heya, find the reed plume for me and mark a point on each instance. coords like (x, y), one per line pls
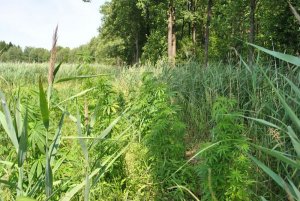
(52, 57)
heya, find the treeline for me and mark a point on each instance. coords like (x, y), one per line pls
(13, 53)
(135, 31)
(203, 30)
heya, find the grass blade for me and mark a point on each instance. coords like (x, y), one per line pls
(56, 69)
(279, 156)
(80, 140)
(295, 189)
(8, 163)
(79, 77)
(270, 172)
(108, 129)
(109, 161)
(295, 12)
(8, 123)
(197, 154)
(4, 124)
(23, 198)
(44, 106)
(294, 87)
(23, 142)
(186, 189)
(48, 178)
(262, 121)
(295, 140)
(284, 57)
(287, 108)
(8, 183)
(70, 194)
(77, 95)
(86, 157)
(20, 182)
(55, 144)
(18, 117)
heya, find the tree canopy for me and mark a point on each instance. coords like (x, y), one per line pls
(137, 30)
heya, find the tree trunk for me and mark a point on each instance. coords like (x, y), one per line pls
(193, 27)
(194, 33)
(171, 34)
(137, 49)
(147, 21)
(252, 30)
(209, 13)
(182, 28)
(174, 47)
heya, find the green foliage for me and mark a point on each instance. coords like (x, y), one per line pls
(155, 48)
(289, 183)
(144, 152)
(228, 163)
(159, 142)
(139, 28)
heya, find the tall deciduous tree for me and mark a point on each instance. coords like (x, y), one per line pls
(252, 29)
(209, 14)
(148, 29)
(171, 33)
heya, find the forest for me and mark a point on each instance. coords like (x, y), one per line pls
(173, 100)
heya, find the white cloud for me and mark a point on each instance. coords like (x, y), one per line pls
(31, 22)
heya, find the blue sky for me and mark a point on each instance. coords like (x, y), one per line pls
(32, 22)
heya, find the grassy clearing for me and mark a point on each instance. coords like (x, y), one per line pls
(152, 133)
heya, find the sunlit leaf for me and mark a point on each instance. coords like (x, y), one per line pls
(23, 142)
(44, 105)
(8, 123)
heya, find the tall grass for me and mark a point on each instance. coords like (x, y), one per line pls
(268, 97)
(147, 151)
(29, 73)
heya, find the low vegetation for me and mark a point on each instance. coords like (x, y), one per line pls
(151, 133)
(169, 131)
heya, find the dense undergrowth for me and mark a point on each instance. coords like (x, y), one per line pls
(227, 132)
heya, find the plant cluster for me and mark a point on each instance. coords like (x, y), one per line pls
(226, 168)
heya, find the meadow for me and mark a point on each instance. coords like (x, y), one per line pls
(151, 132)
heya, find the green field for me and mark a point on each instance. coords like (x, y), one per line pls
(169, 100)
(227, 132)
